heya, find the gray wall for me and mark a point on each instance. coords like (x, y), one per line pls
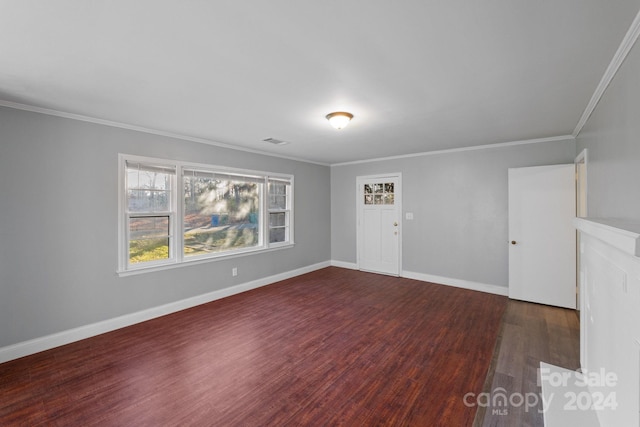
(58, 225)
(612, 137)
(459, 202)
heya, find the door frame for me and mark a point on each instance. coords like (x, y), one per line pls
(582, 158)
(398, 203)
(582, 209)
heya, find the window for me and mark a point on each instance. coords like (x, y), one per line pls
(221, 212)
(174, 212)
(149, 214)
(279, 210)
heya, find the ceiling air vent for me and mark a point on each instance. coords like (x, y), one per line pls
(275, 141)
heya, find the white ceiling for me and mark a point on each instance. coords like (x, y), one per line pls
(418, 75)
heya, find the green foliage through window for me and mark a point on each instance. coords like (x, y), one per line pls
(220, 214)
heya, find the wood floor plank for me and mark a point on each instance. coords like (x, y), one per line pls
(530, 333)
(332, 347)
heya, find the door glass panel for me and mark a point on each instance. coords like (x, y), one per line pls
(379, 194)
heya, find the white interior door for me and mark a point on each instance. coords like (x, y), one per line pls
(542, 247)
(379, 224)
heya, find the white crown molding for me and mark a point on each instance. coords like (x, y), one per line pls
(623, 50)
(82, 118)
(37, 345)
(462, 149)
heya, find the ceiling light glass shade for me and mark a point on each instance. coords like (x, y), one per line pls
(339, 119)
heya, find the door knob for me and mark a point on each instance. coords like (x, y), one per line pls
(395, 224)
(513, 242)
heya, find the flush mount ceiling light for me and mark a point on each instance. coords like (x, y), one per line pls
(339, 119)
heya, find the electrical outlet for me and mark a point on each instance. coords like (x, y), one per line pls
(234, 271)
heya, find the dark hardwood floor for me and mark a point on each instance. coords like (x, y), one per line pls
(333, 347)
(530, 333)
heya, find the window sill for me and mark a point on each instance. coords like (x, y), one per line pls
(186, 263)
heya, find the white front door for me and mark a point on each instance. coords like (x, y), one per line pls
(542, 246)
(379, 228)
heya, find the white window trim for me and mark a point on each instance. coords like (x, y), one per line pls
(177, 212)
(288, 210)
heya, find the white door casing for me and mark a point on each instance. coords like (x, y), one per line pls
(379, 228)
(542, 246)
(581, 212)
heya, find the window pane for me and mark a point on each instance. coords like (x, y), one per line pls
(278, 188)
(148, 227)
(220, 214)
(152, 178)
(278, 195)
(148, 239)
(368, 189)
(148, 250)
(148, 200)
(132, 178)
(277, 235)
(277, 219)
(388, 187)
(148, 188)
(278, 202)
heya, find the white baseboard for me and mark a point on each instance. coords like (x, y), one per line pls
(458, 283)
(36, 345)
(342, 264)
